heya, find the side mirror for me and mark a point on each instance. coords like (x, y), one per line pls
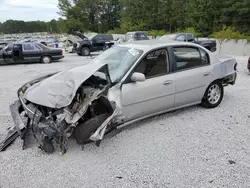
(138, 77)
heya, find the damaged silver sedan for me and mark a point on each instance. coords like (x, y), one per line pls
(125, 84)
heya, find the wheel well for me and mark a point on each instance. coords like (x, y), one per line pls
(98, 107)
(217, 80)
(85, 45)
(45, 56)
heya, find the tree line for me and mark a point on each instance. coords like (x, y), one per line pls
(16, 26)
(119, 16)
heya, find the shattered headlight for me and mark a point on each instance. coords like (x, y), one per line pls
(25, 87)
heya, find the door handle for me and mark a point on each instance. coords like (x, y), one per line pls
(167, 82)
(206, 73)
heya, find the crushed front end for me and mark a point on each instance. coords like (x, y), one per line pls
(54, 123)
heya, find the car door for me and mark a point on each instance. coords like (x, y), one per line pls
(153, 95)
(193, 73)
(17, 54)
(31, 52)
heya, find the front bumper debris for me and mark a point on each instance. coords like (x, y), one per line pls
(19, 129)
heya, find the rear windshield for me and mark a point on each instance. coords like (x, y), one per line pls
(108, 37)
(42, 46)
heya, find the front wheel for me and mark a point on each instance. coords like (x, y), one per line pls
(213, 95)
(84, 130)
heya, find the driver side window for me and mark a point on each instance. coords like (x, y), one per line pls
(154, 64)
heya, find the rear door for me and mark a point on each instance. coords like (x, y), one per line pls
(193, 73)
(31, 52)
(155, 94)
(17, 54)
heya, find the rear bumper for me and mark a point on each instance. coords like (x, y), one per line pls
(230, 79)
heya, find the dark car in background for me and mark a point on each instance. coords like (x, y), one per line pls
(136, 35)
(189, 37)
(94, 43)
(29, 53)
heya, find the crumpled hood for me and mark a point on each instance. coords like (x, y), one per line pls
(58, 90)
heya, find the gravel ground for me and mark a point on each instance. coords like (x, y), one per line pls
(192, 147)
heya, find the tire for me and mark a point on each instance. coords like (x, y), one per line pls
(85, 51)
(213, 95)
(47, 146)
(83, 131)
(106, 47)
(46, 59)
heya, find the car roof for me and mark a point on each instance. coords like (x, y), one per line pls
(147, 45)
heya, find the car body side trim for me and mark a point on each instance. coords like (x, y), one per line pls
(158, 113)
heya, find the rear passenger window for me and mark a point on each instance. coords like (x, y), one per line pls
(28, 47)
(188, 57)
(204, 57)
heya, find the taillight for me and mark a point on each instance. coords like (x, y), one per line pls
(248, 65)
(235, 66)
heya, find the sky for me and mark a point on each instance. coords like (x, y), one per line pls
(28, 10)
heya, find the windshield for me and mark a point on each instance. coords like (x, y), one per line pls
(128, 37)
(119, 60)
(167, 37)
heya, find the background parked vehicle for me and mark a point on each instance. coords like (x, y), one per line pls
(97, 42)
(29, 53)
(189, 37)
(136, 35)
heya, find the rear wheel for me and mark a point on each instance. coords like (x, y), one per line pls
(46, 59)
(83, 131)
(85, 51)
(213, 95)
